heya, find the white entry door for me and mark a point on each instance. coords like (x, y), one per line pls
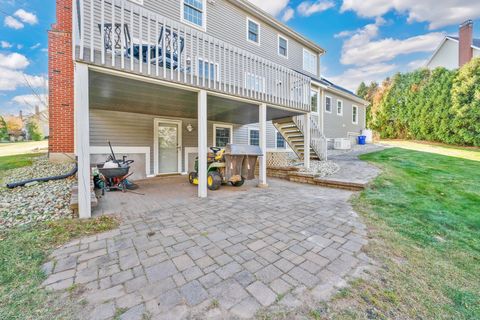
(167, 146)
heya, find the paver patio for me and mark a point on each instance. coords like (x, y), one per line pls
(221, 257)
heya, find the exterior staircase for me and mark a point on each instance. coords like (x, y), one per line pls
(292, 129)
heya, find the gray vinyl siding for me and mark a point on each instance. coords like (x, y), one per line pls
(336, 126)
(136, 130)
(227, 22)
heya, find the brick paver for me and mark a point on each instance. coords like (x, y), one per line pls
(263, 248)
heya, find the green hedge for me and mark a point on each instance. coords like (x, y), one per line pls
(438, 105)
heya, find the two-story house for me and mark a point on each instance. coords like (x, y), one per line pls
(163, 80)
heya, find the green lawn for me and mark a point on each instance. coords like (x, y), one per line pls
(22, 252)
(423, 215)
(17, 161)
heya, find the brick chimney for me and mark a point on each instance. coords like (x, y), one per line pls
(465, 35)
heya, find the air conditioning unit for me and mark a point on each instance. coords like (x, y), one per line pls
(342, 144)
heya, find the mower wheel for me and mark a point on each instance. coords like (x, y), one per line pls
(238, 183)
(214, 180)
(192, 176)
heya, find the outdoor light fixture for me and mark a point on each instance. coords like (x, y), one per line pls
(189, 127)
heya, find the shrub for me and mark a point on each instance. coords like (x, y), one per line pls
(33, 130)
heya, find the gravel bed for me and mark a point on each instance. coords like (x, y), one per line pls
(319, 169)
(36, 202)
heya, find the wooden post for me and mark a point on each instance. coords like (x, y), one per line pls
(262, 119)
(202, 144)
(82, 139)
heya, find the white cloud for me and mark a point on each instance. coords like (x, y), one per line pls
(35, 46)
(288, 14)
(307, 8)
(352, 77)
(5, 44)
(436, 13)
(10, 80)
(13, 23)
(274, 7)
(31, 100)
(25, 16)
(13, 61)
(361, 49)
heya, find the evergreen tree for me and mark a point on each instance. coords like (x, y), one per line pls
(3, 129)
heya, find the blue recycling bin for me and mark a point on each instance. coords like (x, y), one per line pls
(362, 140)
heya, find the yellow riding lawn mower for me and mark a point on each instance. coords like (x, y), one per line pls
(234, 165)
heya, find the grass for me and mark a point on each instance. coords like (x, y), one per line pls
(18, 161)
(423, 215)
(23, 251)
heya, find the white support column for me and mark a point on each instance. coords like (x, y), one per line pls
(202, 144)
(82, 139)
(306, 137)
(262, 120)
(321, 111)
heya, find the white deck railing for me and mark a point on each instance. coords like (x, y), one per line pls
(318, 142)
(121, 35)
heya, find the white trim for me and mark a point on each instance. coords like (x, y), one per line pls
(262, 121)
(355, 107)
(259, 31)
(156, 121)
(203, 27)
(126, 150)
(341, 102)
(187, 151)
(278, 46)
(221, 125)
(253, 129)
(202, 143)
(331, 104)
(139, 2)
(305, 50)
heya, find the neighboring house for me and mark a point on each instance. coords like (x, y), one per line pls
(454, 52)
(163, 80)
(41, 117)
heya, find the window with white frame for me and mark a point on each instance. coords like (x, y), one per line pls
(282, 46)
(280, 141)
(253, 31)
(354, 114)
(222, 135)
(208, 70)
(328, 104)
(254, 82)
(193, 12)
(314, 102)
(253, 137)
(309, 61)
(340, 107)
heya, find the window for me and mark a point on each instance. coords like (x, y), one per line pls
(282, 46)
(309, 61)
(253, 137)
(207, 70)
(340, 107)
(280, 141)
(253, 31)
(354, 114)
(328, 104)
(222, 135)
(314, 102)
(193, 12)
(254, 82)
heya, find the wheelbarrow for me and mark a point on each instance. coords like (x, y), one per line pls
(118, 176)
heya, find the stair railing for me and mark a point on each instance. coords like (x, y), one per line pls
(318, 141)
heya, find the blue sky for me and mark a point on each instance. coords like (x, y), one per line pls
(365, 39)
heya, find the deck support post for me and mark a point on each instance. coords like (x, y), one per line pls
(202, 144)
(262, 120)
(82, 139)
(306, 137)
